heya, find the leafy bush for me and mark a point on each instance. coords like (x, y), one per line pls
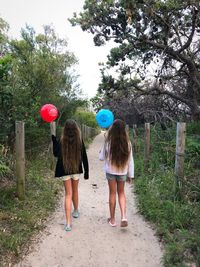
(4, 170)
(193, 128)
(193, 148)
(85, 117)
(6, 162)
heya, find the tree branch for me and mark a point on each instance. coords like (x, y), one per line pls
(157, 91)
(187, 44)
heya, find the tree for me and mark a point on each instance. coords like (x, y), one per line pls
(5, 69)
(163, 34)
(3, 36)
(40, 71)
(34, 70)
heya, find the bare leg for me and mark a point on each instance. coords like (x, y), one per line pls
(112, 199)
(121, 198)
(75, 193)
(68, 200)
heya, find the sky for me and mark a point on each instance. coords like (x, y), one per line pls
(36, 13)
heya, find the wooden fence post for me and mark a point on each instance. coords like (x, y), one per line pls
(20, 159)
(179, 161)
(147, 145)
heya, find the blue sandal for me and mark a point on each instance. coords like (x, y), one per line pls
(68, 228)
(76, 213)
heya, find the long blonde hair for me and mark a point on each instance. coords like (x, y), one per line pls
(119, 144)
(71, 146)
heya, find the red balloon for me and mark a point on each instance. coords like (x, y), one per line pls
(48, 112)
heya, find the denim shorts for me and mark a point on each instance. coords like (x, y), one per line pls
(116, 177)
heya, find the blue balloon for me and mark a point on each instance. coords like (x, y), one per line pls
(104, 118)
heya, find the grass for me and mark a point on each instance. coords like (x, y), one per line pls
(177, 220)
(20, 220)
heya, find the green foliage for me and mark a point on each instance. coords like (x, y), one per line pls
(6, 163)
(193, 143)
(4, 170)
(20, 220)
(193, 128)
(85, 117)
(193, 148)
(6, 97)
(177, 221)
(5, 66)
(3, 37)
(98, 101)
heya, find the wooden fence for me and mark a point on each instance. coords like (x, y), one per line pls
(179, 153)
(180, 146)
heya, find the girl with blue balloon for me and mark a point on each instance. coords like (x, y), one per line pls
(118, 166)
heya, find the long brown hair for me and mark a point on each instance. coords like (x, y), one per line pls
(71, 146)
(119, 144)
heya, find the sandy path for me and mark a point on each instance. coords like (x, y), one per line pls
(92, 242)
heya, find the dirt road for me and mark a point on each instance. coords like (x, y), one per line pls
(92, 241)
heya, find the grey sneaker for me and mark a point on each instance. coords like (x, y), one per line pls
(75, 213)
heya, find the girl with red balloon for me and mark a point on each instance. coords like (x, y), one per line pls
(71, 155)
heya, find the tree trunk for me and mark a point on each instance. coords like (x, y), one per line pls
(194, 92)
(20, 160)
